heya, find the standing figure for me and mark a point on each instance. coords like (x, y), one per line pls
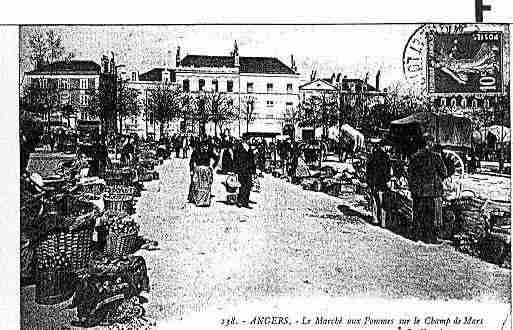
(185, 146)
(378, 175)
(127, 152)
(177, 144)
(100, 158)
(201, 167)
(426, 173)
(244, 161)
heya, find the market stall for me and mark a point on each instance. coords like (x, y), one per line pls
(61, 208)
(466, 216)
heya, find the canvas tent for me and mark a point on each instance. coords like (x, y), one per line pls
(447, 129)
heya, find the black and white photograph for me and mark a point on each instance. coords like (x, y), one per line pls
(169, 173)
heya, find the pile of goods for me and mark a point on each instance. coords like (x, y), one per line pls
(93, 187)
(119, 199)
(55, 282)
(108, 292)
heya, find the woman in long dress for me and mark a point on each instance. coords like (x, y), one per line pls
(201, 166)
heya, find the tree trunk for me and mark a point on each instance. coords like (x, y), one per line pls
(146, 123)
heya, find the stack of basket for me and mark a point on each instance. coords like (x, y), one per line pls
(119, 198)
(63, 249)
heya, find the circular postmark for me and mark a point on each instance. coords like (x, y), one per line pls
(415, 53)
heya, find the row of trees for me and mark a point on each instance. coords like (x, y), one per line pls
(168, 103)
(366, 112)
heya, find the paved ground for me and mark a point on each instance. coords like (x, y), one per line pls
(292, 243)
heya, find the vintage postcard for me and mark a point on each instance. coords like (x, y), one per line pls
(348, 176)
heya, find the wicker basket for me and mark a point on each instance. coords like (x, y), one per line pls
(119, 245)
(53, 287)
(74, 244)
(95, 188)
(119, 203)
(120, 190)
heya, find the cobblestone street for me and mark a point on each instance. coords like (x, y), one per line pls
(292, 243)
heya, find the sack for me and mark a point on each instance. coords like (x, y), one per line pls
(256, 184)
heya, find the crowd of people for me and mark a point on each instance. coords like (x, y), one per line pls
(427, 169)
(232, 156)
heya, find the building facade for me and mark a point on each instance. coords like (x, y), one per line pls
(71, 81)
(262, 88)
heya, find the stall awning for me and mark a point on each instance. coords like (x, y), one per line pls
(260, 134)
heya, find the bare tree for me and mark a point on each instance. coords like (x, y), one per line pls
(45, 47)
(55, 49)
(165, 103)
(293, 115)
(219, 108)
(248, 110)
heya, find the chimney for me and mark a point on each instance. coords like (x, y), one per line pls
(105, 64)
(178, 60)
(293, 63)
(377, 80)
(236, 55)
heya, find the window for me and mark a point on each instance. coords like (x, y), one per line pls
(173, 76)
(64, 83)
(83, 83)
(269, 116)
(91, 83)
(288, 107)
(269, 88)
(289, 88)
(134, 76)
(250, 87)
(270, 104)
(229, 86)
(215, 86)
(201, 85)
(83, 99)
(186, 85)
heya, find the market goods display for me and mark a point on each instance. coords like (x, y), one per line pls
(122, 237)
(123, 203)
(108, 284)
(55, 282)
(69, 233)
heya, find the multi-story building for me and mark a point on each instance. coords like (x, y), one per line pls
(71, 81)
(264, 85)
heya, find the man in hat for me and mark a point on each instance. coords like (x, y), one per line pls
(378, 175)
(426, 172)
(244, 161)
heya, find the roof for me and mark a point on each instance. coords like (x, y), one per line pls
(319, 84)
(68, 67)
(266, 65)
(153, 75)
(370, 88)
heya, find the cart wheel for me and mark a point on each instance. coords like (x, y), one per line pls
(459, 165)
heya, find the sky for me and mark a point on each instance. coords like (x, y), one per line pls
(352, 50)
